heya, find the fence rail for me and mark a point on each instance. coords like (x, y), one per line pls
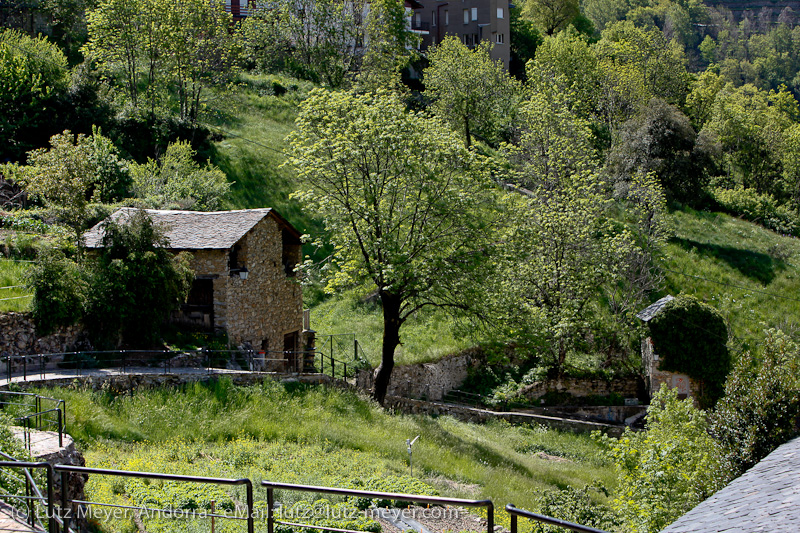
(411, 498)
(549, 520)
(29, 410)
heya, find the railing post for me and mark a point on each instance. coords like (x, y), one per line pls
(333, 365)
(513, 523)
(24, 368)
(490, 518)
(29, 500)
(250, 512)
(270, 515)
(60, 429)
(51, 517)
(66, 513)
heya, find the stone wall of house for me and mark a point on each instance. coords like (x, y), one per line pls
(654, 377)
(18, 337)
(425, 380)
(268, 304)
(214, 263)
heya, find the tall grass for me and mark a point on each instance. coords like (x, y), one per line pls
(497, 461)
(12, 274)
(749, 273)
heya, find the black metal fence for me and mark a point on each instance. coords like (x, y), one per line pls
(549, 520)
(410, 498)
(33, 506)
(33, 411)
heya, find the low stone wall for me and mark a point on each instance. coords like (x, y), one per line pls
(425, 380)
(627, 387)
(132, 382)
(474, 415)
(18, 336)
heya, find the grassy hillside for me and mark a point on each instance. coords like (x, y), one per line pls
(750, 274)
(323, 436)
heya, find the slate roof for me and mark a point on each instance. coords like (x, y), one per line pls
(765, 498)
(652, 310)
(193, 230)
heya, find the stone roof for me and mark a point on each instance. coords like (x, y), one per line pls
(765, 498)
(193, 230)
(652, 310)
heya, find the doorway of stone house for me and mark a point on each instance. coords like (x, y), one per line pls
(290, 351)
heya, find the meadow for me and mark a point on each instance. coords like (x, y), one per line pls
(12, 274)
(322, 436)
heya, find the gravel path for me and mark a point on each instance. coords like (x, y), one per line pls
(436, 519)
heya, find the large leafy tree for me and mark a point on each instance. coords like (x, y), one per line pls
(470, 91)
(551, 15)
(33, 74)
(400, 195)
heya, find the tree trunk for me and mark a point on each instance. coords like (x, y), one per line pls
(391, 338)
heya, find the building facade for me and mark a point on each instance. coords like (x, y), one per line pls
(471, 21)
(245, 282)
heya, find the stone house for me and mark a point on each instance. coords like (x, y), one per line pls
(245, 282)
(654, 377)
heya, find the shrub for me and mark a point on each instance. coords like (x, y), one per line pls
(396, 484)
(691, 338)
(59, 291)
(666, 470)
(326, 514)
(575, 505)
(760, 409)
(755, 207)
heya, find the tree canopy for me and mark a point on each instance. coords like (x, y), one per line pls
(401, 197)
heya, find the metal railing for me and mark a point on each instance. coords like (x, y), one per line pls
(549, 520)
(339, 351)
(27, 408)
(137, 361)
(33, 495)
(65, 470)
(271, 486)
(12, 287)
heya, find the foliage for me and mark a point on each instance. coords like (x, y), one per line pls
(470, 91)
(660, 139)
(158, 49)
(524, 38)
(400, 196)
(395, 484)
(33, 74)
(575, 505)
(12, 479)
(666, 470)
(59, 291)
(176, 180)
(761, 406)
(327, 514)
(759, 208)
(390, 46)
(135, 282)
(691, 337)
(551, 15)
(318, 40)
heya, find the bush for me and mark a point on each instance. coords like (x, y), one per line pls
(760, 208)
(396, 484)
(576, 506)
(59, 291)
(326, 514)
(760, 409)
(135, 282)
(691, 337)
(666, 470)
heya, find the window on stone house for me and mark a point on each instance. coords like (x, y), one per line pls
(291, 253)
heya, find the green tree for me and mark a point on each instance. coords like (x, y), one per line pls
(551, 15)
(691, 337)
(177, 180)
(524, 38)
(400, 195)
(134, 283)
(666, 470)
(390, 46)
(761, 406)
(470, 91)
(33, 74)
(59, 291)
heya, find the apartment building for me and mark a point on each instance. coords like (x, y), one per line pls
(472, 21)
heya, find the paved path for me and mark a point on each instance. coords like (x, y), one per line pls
(11, 521)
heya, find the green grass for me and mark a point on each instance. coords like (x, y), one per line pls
(324, 436)
(12, 273)
(743, 261)
(427, 336)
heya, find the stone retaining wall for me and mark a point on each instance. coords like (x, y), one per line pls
(425, 380)
(18, 336)
(474, 415)
(627, 387)
(132, 382)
